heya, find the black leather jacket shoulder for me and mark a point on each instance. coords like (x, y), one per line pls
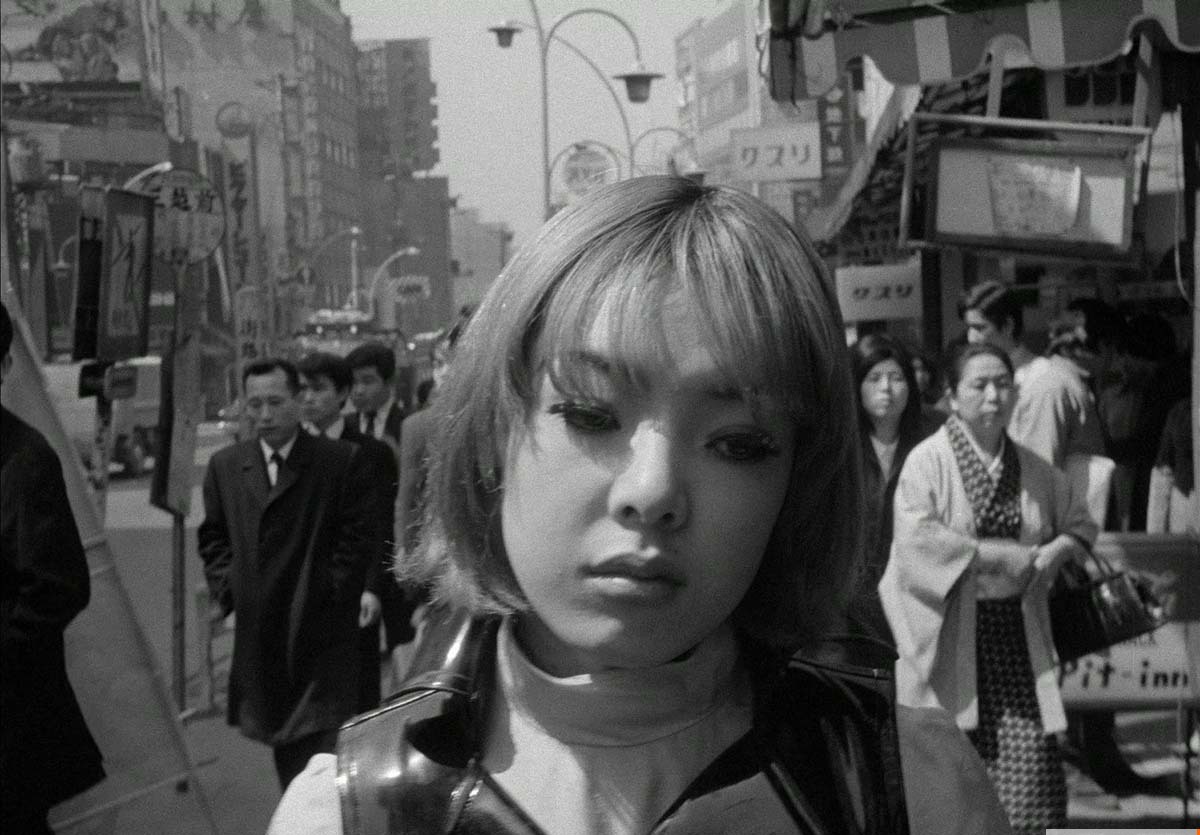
(823, 750)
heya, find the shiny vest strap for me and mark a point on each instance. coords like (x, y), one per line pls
(822, 758)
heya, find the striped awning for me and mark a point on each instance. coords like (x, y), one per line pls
(932, 43)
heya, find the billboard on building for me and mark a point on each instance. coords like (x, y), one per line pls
(101, 41)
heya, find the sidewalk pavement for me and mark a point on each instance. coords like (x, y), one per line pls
(1152, 743)
(238, 776)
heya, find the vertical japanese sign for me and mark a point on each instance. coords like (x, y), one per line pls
(778, 152)
(239, 201)
(123, 321)
(841, 133)
(248, 317)
(886, 291)
(89, 258)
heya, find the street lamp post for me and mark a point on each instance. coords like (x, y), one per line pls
(352, 299)
(381, 271)
(637, 80)
(310, 259)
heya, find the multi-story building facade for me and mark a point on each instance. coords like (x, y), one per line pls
(727, 109)
(290, 65)
(405, 214)
(478, 252)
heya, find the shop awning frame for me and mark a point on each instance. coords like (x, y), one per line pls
(935, 43)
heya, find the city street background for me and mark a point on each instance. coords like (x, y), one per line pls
(238, 776)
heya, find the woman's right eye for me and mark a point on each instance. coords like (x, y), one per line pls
(586, 417)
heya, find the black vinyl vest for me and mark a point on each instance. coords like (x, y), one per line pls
(821, 758)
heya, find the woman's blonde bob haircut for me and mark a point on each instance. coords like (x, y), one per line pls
(770, 314)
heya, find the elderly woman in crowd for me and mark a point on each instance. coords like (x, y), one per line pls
(982, 526)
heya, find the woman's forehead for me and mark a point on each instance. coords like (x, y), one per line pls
(984, 365)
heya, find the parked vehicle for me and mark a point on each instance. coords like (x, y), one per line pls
(134, 438)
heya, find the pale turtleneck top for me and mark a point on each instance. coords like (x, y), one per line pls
(618, 746)
(594, 754)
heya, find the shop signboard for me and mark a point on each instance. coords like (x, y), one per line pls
(89, 256)
(1153, 670)
(884, 291)
(123, 316)
(586, 168)
(1058, 198)
(779, 152)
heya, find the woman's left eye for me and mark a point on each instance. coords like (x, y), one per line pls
(745, 446)
(586, 417)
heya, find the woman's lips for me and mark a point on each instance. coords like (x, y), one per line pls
(635, 578)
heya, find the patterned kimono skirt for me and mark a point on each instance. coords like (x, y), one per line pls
(1024, 763)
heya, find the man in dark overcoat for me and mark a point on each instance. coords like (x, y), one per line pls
(285, 542)
(47, 753)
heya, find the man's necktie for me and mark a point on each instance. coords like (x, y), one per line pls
(273, 469)
(370, 430)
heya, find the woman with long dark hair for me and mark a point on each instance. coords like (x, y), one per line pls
(890, 424)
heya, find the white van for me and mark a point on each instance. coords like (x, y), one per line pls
(134, 437)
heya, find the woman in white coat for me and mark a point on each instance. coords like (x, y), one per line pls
(982, 526)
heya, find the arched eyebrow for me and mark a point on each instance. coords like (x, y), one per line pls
(714, 385)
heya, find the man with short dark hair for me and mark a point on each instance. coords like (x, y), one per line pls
(286, 537)
(47, 753)
(992, 313)
(373, 393)
(324, 387)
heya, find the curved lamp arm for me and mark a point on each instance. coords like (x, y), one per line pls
(381, 271)
(604, 79)
(637, 47)
(612, 92)
(658, 129)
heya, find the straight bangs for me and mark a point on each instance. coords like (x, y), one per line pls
(742, 294)
(770, 318)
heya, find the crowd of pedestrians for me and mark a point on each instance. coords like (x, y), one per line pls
(652, 535)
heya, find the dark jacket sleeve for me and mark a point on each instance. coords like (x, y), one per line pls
(215, 544)
(379, 461)
(356, 536)
(46, 559)
(412, 477)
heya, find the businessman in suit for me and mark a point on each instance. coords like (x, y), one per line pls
(380, 415)
(47, 753)
(286, 537)
(373, 392)
(324, 387)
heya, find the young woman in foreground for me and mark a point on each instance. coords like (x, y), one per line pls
(644, 501)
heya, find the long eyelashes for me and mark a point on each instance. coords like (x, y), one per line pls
(746, 446)
(742, 445)
(586, 417)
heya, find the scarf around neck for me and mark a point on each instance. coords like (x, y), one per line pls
(996, 504)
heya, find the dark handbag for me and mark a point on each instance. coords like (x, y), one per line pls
(1088, 613)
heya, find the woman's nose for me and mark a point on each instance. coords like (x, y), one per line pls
(648, 490)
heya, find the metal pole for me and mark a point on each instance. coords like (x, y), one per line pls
(352, 300)
(266, 278)
(104, 412)
(178, 581)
